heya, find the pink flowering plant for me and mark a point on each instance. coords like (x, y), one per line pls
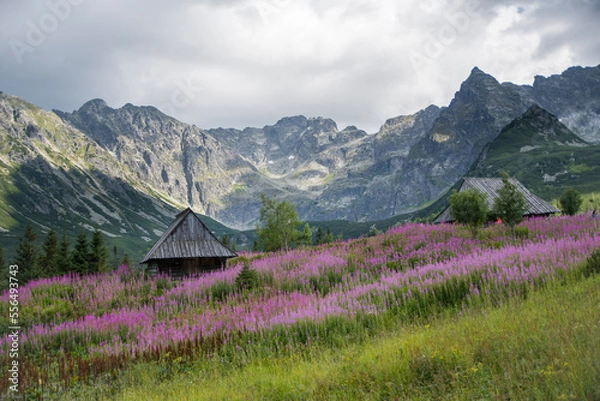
(87, 327)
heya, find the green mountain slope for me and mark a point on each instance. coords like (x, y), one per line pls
(543, 154)
(52, 175)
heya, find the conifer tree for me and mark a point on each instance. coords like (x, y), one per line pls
(114, 263)
(510, 204)
(81, 254)
(307, 235)
(2, 261)
(328, 236)
(64, 261)
(125, 260)
(3, 272)
(49, 258)
(320, 236)
(225, 240)
(98, 254)
(27, 255)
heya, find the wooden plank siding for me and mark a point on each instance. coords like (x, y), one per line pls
(186, 247)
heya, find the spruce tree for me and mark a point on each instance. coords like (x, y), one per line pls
(81, 254)
(114, 263)
(225, 240)
(320, 237)
(307, 235)
(328, 236)
(27, 255)
(125, 260)
(98, 254)
(64, 262)
(3, 272)
(49, 258)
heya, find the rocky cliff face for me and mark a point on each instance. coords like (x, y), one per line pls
(475, 116)
(53, 175)
(331, 174)
(573, 97)
(326, 172)
(182, 161)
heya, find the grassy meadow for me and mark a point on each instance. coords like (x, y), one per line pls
(419, 312)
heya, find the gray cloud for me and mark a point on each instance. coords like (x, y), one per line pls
(250, 62)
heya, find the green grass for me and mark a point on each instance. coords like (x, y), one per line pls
(546, 347)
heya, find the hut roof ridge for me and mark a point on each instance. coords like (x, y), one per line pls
(208, 246)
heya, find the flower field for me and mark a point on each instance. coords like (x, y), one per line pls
(79, 329)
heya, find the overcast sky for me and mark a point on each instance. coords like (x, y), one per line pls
(238, 63)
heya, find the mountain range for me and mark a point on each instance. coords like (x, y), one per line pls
(128, 170)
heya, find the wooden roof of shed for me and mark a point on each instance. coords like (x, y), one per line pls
(490, 186)
(187, 237)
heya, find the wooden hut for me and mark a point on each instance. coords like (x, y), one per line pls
(489, 187)
(187, 247)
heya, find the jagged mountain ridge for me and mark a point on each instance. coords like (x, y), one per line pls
(53, 175)
(178, 159)
(327, 173)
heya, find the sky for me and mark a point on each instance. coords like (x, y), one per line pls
(239, 63)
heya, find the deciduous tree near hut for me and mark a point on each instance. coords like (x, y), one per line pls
(469, 208)
(570, 201)
(278, 224)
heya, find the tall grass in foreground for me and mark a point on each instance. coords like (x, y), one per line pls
(79, 330)
(544, 348)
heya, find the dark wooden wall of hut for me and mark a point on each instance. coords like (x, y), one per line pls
(178, 268)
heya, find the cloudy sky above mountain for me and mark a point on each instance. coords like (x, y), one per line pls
(237, 63)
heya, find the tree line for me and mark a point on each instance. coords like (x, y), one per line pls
(57, 256)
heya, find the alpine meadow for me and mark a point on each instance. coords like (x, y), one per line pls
(277, 200)
(418, 312)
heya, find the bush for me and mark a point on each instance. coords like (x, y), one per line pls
(522, 232)
(592, 265)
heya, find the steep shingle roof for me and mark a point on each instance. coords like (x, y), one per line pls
(188, 237)
(489, 187)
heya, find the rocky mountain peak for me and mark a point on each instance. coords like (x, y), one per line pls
(478, 84)
(94, 106)
(322, 124)
(295, 121)
(327, 173)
